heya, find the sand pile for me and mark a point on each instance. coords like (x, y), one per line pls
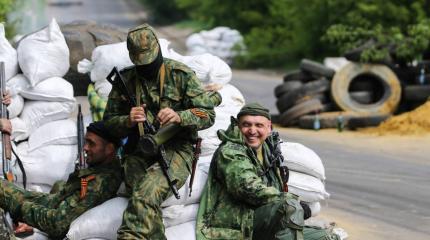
(409, 123)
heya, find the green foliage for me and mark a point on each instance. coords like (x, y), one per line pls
(278, 32)
(164, 11)
(5, 8)
(396, 29)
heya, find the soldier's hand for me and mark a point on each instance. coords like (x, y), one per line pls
(137, 114)
(22, 228)
(167, 115)
(5, 125)
(7, 98)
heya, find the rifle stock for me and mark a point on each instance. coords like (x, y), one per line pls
(6, 145)
(81, 162)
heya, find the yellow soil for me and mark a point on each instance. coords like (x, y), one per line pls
(416, 122)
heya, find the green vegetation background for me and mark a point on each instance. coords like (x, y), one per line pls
(280, 32)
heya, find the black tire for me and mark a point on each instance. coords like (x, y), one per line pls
(309, 89)
(316, 68)
(299, 75)
(286, 87)
(391, 89)
(366, 121)
(416, 93)
(320, 96)
(327, 119)
(289, 117)
(351, 120)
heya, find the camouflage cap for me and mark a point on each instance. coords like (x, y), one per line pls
(142, 44)
(254, 109)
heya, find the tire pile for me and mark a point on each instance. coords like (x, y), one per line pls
(358, 95)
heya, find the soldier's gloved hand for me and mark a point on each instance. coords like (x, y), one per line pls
(167, 115)
(306, 209)
(137, 114)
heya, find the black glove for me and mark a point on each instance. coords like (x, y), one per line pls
(306, 209)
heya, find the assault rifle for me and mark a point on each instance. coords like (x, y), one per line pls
(116, 79)
(5, 137)
(7, 149)
(81, 161)
(277, 159)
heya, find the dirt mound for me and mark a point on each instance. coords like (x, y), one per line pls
(409, 123)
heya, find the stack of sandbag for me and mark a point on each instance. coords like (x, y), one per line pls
(211, 70)
(42, 102)
(103, 221)
(307, 174)
(223, 42)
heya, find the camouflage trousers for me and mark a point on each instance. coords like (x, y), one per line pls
(12, 197)
(148, 187)
(283, 220)
(5, 229)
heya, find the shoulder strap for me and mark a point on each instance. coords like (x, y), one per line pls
(138, 98)
(162, 76)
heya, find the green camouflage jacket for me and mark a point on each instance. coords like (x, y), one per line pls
(182, 92)
(53, 213)
(235, 188)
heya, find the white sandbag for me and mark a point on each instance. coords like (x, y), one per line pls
(184, 231)
(46, 164)
(178, 214)
(195, 39)
(16, 84)
(37, 113)
(8, 55)
(315, 208)
(102, 221)
(16, 106)
(51, 89)
(169, 52)
(300, 158)
(209, 68)
(307, 187)
(199, 182)
(103, 88)
(19, 129)
(335, 63)
(232, 102)
(231, 96)
(44, 54)
(65, 133)
(104, 58)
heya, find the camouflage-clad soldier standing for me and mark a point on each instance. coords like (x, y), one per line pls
(171, 94)
(53, 213)
(243, 197)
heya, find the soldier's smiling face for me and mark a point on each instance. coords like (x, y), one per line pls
(255, 129)
(97, 149)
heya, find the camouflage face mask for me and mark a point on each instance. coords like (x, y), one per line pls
(142, 44)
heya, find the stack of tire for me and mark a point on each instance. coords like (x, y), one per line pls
(358, 95)
(304, 91)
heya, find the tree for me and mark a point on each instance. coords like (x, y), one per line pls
(396, 30)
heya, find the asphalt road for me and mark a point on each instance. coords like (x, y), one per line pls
(380, 187)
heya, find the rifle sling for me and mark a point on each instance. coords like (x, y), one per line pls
(162, 74)
(21, 167)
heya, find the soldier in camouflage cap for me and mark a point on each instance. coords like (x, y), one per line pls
(244, 195)
(85, 188)
(167, 92)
